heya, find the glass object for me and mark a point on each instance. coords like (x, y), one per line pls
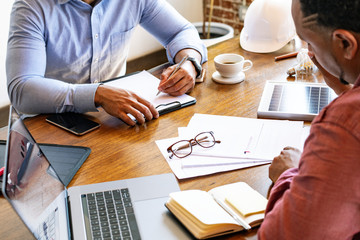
(183, 148)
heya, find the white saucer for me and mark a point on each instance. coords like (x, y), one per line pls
(232, 80)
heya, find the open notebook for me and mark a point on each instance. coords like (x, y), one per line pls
(145, 85)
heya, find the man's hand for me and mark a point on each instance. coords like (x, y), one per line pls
(181, 82)
(119, 102)
(288, 158)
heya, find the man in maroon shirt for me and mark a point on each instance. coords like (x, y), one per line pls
(316, 194)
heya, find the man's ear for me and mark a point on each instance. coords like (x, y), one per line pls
(346, 42)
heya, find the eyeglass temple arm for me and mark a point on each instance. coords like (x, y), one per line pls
(203, 138)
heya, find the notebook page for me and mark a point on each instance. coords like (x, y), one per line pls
(145, 85)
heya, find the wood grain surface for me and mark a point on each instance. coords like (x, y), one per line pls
(121, 152)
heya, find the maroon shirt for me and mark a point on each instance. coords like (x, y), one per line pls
(321, 198)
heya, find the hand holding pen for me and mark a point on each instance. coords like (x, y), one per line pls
(176, 69)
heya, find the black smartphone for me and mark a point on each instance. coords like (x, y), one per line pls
(74, 122)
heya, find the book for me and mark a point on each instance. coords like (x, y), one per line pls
(222, 210)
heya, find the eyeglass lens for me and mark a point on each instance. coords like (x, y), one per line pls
(205, 139)
(181, 149)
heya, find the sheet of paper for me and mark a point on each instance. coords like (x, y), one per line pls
(182, 171)
(145, 85)
(245, 142)
(244, 138)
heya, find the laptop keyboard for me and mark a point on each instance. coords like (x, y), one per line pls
(111, 215)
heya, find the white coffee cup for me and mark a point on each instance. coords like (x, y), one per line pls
(230, 65)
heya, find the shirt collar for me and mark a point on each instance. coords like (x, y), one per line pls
(66, 1)
(63, 1)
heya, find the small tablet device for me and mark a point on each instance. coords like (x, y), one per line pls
(294, 100)
(75, 123)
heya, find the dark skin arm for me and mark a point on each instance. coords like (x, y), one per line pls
(288, 158)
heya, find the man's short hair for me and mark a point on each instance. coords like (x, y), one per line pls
(334, 14)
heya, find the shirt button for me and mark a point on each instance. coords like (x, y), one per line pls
(96, 36)
(96, 60)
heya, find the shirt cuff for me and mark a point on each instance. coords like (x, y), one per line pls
(84, 99)
(176, 46)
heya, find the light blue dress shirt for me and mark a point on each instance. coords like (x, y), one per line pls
(59, 50)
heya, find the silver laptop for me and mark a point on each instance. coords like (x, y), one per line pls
(124, 209)
(294, 100)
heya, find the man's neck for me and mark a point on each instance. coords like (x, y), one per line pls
(91, 2)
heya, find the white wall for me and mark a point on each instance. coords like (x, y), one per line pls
(190, 9)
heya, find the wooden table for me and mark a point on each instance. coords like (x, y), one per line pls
(121, 152)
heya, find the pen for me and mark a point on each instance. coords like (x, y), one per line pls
(232, 214)
(2, 171)
(176, 69)
(285, 56)
(247, 151)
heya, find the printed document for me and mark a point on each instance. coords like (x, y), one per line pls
(245, 142)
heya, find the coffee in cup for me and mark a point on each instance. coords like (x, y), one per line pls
(230, 68)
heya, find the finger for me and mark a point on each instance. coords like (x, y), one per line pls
(165, 76)
(271, 173)
(126, 119)
(139, 112)
(180, 82)
(145, 107)
(151, 111)
(140, 118)
(170, 81)
(180, 91)
(167, 72)
(135, 115)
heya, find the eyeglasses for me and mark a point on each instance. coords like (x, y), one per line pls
(183, 148)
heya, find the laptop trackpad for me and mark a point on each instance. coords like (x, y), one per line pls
(156, 222)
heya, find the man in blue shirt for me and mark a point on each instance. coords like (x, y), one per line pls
(59, 51)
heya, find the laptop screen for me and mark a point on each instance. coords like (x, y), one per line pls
(31, 184)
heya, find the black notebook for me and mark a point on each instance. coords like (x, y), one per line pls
(65, 159)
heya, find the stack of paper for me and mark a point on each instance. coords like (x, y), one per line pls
(245, 142)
